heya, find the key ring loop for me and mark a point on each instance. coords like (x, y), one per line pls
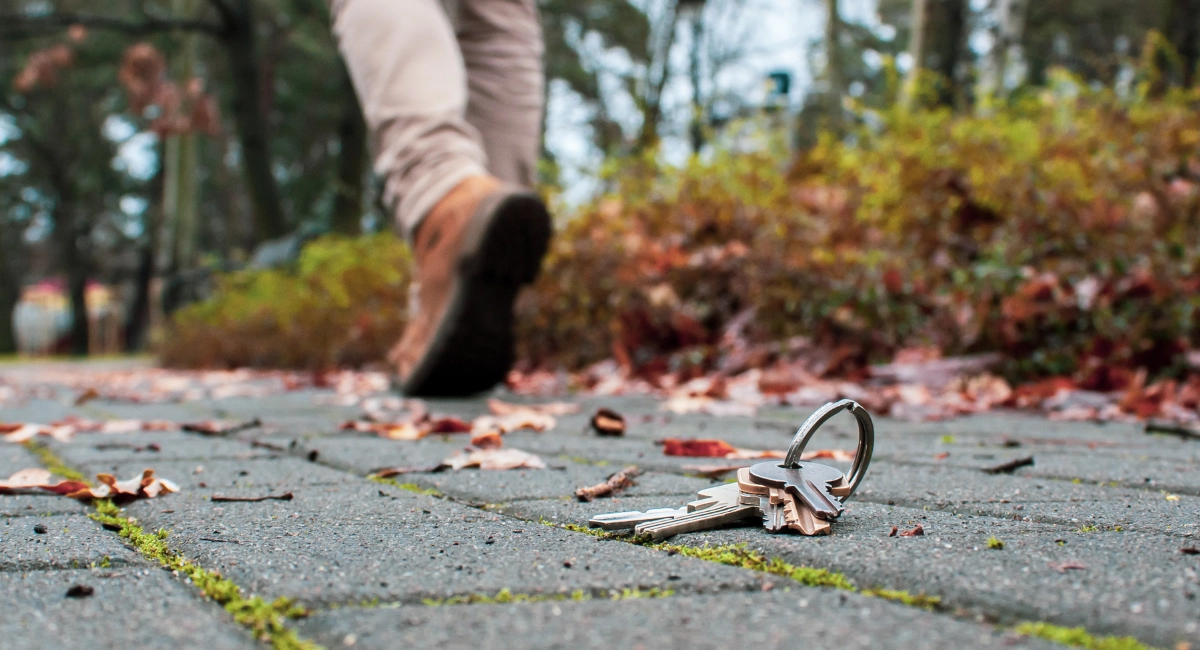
(866, 439)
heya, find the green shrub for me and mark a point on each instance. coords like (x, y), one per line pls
(1061, 230)
(343, 304)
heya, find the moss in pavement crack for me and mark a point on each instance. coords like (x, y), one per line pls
(1079, 637)
(52, 462)
(263, 618)
(410, 487)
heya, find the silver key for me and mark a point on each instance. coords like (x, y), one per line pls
(714, 507)
(773, 514)
(623, 520)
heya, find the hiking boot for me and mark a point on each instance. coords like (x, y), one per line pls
(473, 251)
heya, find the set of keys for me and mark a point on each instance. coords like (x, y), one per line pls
(802, 497)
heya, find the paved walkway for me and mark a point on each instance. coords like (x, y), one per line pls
(1092, 534)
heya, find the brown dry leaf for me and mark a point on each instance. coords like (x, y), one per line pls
(684, 404)
(87, 396)
(26, 478)
(612, 485)
(1063, 567)
(494, 459)
(487, 440)
(499, 407)
(513, 422)
(915, 532)
(713, 448)
(607, 422)
(22, 432)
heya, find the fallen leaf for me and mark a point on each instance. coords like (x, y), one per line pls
(712, 471)
(895, 529)
(614, 484)
(447, 425)
(1011, 466)
(487, 440)
(388, 472)
(1063, 567)
(493, 459)
(87, 396)
(712, 448)
(499, 407)
(697, 447)
(515, 421)
(1190, 550)
(915, 532)
(607, 422)
(26, 478)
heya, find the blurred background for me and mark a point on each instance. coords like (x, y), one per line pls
(870, 178)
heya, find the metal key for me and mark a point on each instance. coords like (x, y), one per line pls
(710, 497)
(810, 483)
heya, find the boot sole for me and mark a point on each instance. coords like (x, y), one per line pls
(473, 348)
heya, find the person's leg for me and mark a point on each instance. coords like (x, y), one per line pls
(409, 75)
(475, 240)
(501, 43)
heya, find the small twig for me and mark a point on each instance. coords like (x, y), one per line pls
(210, 429)
(614, 484)
(1185, 432)
(268, 445)
(1010, 467)
(388, 472)
(286, 496)
(225, 541)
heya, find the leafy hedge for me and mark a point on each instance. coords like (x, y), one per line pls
(1060, 230)
(342, 305)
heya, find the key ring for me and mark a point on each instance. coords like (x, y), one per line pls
(866, 439)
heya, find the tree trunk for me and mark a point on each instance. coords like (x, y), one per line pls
(696, 129)
(916, 51)
(1007, 37)
(1183, 30)
(75, 263)
(9, 295)
(352, 134)
(945, 41)
(253, 134)
(833, 65)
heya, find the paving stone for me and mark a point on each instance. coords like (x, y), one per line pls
(88, 448)
(1051, 501)
(1132, 584)
(14, 458)
(781, 619)
(70, 541)
(363, 454)
(346, 543)
(217, 475)
(130, 607)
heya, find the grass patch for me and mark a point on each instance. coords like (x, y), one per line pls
(52, 462)
(903, 597)
(1079, 637)
(409, 487)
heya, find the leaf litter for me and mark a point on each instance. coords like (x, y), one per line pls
(146, 486)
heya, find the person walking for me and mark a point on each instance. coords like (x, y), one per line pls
(452, 94)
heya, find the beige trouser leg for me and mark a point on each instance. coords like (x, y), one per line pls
(442, 106)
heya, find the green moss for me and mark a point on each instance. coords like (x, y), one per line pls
(905, 598)
(739, 556)
(1088, 529)
(1079, 637)
(52, 462)
(409, 487)
(995, 543)
(949, 440)
(264, 618)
